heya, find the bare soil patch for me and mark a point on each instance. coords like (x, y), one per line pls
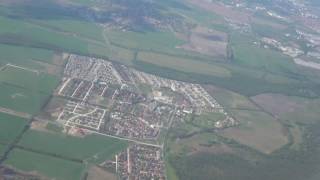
(59, 59)
(39, 126)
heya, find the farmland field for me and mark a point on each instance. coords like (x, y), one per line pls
(291, 108)
(229, 99)
(145, 40)
(186, 65)
(29, 80)
(10, 127)
(159, 42)
(95, 148)
(254, 57)
(78, 28)
(17, 55)
(21, 33)
(20, 99)
(45, 165)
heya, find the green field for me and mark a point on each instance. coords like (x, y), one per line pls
(19, 32)
(10, 127)
(159, 41)
(264, 59)
(78, 28)
(20, 99)
(257, 130)
(29, 80)
(68, 35)
(94, 148)
(33, 35)
(24, 90)
(113, 53)
(183, 64)
(45, 165)
(18, 55)
(229, 99)
(122, 55)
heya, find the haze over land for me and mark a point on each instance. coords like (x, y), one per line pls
(166, 89)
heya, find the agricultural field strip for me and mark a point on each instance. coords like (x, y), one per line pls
(15, 113)
(62, 157)
(65, 32)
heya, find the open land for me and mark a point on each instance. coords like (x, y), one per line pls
(295, 109)
(183, 64)
(258, 130)
(45, 165)
(11, 127)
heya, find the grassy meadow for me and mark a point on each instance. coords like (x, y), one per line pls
(21, 55)
(183, 64)
(20, 99)
(48, 166)
(257, 130)
(10, 127)
(229, 99)
(39, 82)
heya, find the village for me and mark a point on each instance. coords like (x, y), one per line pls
(117, 101)
(138, 162)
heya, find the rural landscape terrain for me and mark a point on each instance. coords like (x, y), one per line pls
(159, 89)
